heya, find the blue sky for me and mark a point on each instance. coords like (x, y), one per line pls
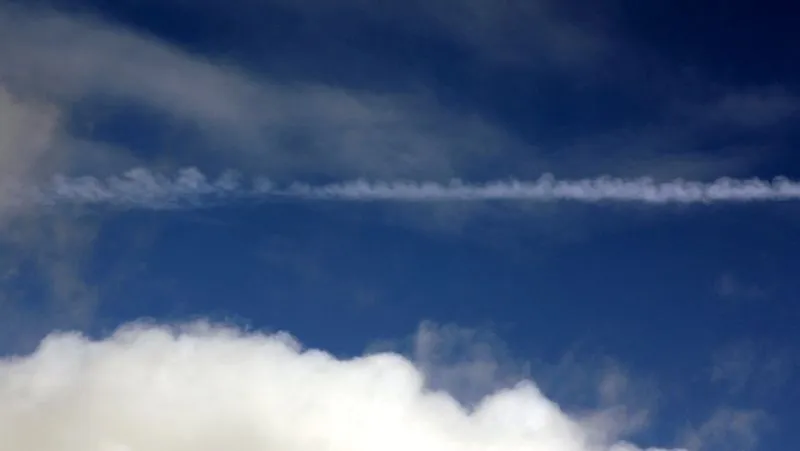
(666, 324)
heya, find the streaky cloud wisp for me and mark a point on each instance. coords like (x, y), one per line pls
(190, 188)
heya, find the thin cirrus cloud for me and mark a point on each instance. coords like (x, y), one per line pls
(139, 389)
(142, 188)
(56, 68)
(239, 117)
(515, 31)
(284, 128)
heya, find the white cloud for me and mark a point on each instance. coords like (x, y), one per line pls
(190, 188)
(149, 388)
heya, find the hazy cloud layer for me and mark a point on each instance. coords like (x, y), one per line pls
(228, 114)
(245, 119)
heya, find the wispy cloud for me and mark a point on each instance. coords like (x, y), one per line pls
(728, 286)
(141, 188)
(611, 400)
(55, 69)
(37, 247)
(261, 123)
(727, 428)
(533, 33)
(55, 65)
(245, 119)
(46, 288)
(749, 108)
(209, 388)
(750, 368)
(26, 129)
(471, 363)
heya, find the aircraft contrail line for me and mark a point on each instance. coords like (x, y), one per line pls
(188, 187)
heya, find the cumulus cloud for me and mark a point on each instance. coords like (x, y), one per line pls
(208, 388)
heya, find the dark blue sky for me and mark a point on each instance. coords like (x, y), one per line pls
(697, 304)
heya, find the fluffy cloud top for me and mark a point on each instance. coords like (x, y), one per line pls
(149, 388)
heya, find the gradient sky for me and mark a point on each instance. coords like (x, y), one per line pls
(685, 315)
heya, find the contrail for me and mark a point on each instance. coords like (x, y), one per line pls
(190, 188)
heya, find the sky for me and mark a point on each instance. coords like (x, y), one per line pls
(302, 225)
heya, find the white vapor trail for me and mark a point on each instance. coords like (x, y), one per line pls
(142, 188)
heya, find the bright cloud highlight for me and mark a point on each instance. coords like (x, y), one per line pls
(204, 388)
